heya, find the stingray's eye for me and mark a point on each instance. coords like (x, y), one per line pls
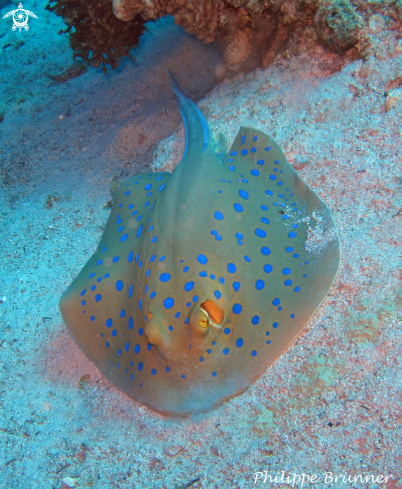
(203, 320)
(213, 311)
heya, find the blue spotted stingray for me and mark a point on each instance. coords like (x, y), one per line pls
(203, 277)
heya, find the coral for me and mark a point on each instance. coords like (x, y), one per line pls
(196, 17)
(337, 24)
(96, 35)
(237, 49)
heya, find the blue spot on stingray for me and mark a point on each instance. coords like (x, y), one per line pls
(236, 308)
(212, 276)
(165, 277)
(83, 292)
(247, 258)
(287, 282)
(239, 236)
(264, 220)
(214, 374)
(202, 259)
(243, 194)
(236, 286)
(255, 173)
(162, 187)
(153, 240)
(269, 192)
(99, 262)
(83, 303)
(289, 249)
(119, 285)
(260, 233)
(91, 275)
(267, 268)
(272, 177)
(186, 269)
(297, 289)
(203, 274)
(239, 342)
(253, 353)
(244, 152)
(189, 286)
(217, 294)
(124, 237)
(195, 298)
(218, 215)
(109, 323)
(231, 268)
(226, 330)
(260, 284)
(115, 259)
(285, 216)
(98, 298)
(286, 271)
(253, 149)
(148, 186)
(260, 162)
(276, 302)
(233, 153)
(238, 207)
(130, 323)
(225, 351)
(218, 237)
(122, 313)
(168, 303)
(222, 280)
(268, 148)
(275, 325)
(140, 366)
(114, 332)
(255, 320)
(120, 229)
(162, 258)
(292, 234)
(232, 168)
(139, 231)
(130, 291)
(265, 250)
(130, 257)
(213, 232)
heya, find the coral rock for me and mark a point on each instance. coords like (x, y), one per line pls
(237, 50)
(196, 17)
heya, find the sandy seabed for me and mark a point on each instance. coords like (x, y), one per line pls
(332, 403)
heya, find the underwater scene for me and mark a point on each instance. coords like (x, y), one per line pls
(201, 229)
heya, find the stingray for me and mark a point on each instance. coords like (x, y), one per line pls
(205, 276)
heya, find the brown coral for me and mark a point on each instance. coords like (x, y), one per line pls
(237, 49)
(96, 35)
(196, 17)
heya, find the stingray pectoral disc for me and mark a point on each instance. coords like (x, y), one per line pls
(205, 276)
